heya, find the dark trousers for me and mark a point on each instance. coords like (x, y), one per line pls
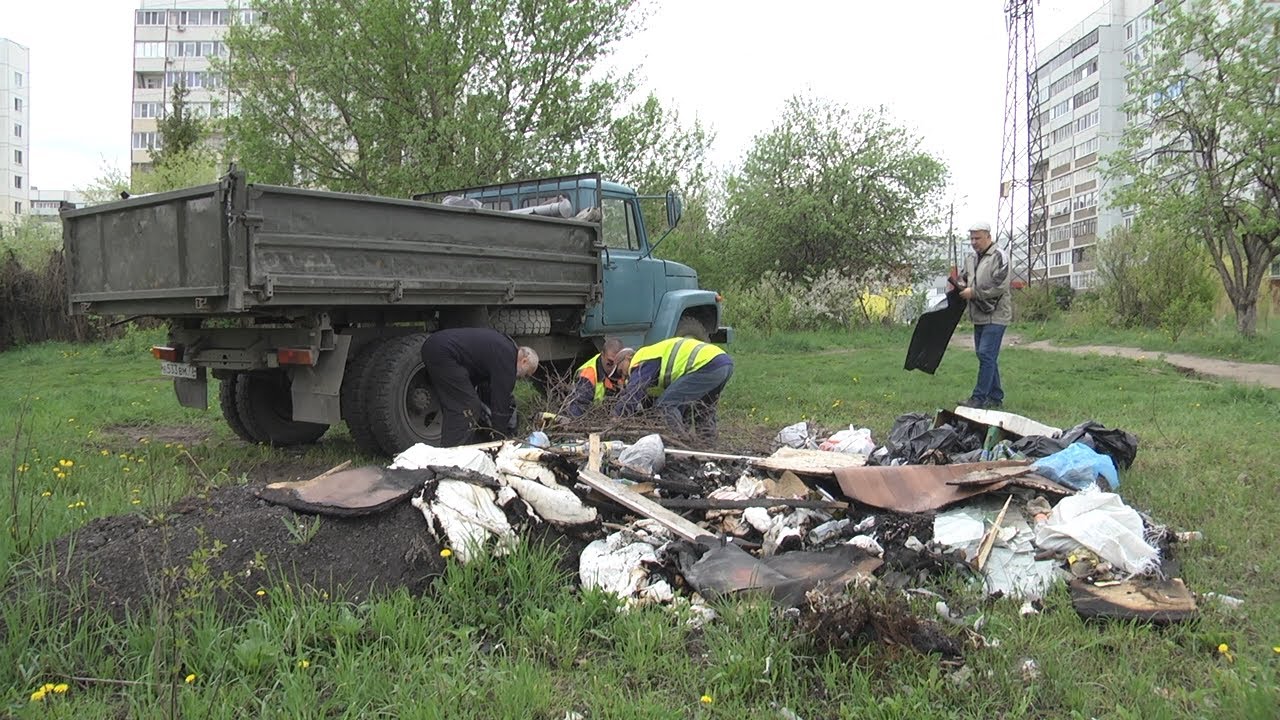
(460, 406)
(695, 395)
(986, 340)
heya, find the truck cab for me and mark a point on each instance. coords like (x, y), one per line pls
(643, 299)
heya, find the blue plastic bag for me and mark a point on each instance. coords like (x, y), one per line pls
(1078, 467)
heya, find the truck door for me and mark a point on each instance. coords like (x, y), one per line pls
(631, 276)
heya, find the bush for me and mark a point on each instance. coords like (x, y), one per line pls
(830, 301)
(1038, 303)
(1149, 276)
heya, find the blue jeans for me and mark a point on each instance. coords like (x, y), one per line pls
(693, 397)
(986, 340)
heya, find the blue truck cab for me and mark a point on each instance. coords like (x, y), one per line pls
(643, 298)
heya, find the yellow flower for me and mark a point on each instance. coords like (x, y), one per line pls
(446, 553)
(71, 420)
(66, 463)
(47, 687)
(37, 696)
(1224, 648)
(190, 678)
(126, 469)
(304, 664)
(144, 441)
(62, 476)
(23, 467)
(1275, 649)
(705, 699)
(135, 501)
(61, 688)
(105, 453)
(260, 592)
(46, 493)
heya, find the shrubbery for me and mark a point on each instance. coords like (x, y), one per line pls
(1151, 277)
(830, 301)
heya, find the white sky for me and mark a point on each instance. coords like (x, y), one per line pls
(938, 65)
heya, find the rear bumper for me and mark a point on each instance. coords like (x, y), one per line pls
(722, 336)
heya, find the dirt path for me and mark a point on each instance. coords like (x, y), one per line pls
(1257, 373)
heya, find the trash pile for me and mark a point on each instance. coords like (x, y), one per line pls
(1015, 505)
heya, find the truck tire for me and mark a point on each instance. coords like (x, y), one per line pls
(231, 413)
(690, 326)
(401, 408)
(266, 409)
(521, 321)
(355, 385)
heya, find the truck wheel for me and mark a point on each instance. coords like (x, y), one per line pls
(521, 321)
(400, 406)
(266, 408)
(690, 326)
(355, 409)
(231, 413)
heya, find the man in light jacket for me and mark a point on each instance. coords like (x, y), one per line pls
(985, 285)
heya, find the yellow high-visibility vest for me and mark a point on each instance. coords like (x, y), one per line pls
(590, 372)
(678, 356)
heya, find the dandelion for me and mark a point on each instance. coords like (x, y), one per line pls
(1225, 651)
(304, 664)
(446, 553)
(1275, 649)
(46, 493)
(66, 463)
(105, 453)
(143, 440)
(705, 699)
(71, 420)
(61, 688)
(168, 445)
(190, 678)
(835, 404)
(260, 592)
(23, 467)
(135, 501)
(126, 469)
(62, 475)
(38, 695)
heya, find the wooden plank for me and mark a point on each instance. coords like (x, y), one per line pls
(810, 462)
(711, 455)
(988, 542)
(625, 497)
(594, 458)
(717, 504)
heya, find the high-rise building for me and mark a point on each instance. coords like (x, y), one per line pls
(177, 42)
(1081, 92)
(15, 130)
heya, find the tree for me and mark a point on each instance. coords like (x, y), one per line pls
(181, 132)
(827, 190)
(399, 96)
(1204, 152)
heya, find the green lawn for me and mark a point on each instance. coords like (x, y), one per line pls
(510, 638)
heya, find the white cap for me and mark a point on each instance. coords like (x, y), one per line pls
(981, 227)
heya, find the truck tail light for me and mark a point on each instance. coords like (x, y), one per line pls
(296, 356)
(166, 352)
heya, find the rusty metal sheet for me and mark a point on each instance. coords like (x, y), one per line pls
(785, 578)
(921, 488)
(357, 491)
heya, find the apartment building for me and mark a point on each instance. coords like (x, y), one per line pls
(178, 41)
(1081, 92)
(15, 130)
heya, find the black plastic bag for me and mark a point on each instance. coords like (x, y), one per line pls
(933, 333)
(1119, 445)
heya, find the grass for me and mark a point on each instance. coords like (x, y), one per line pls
(1218, 339)
(511, 638)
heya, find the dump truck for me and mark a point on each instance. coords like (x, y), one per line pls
(310, 307)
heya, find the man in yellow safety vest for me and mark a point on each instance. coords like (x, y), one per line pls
(598, 377)
(686, 376)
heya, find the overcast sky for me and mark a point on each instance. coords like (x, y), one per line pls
(938, 65)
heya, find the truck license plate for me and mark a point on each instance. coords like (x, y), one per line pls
(178, 370)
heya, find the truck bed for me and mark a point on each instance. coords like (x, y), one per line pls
(233, 248)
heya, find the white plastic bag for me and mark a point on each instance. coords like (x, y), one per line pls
(855, 440)
(646, 455)
(1102, 523)
(799, 436)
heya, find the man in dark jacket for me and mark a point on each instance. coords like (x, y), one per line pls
(985, 284)
(461, 360)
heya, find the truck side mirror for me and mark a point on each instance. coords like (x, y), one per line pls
(674, 209)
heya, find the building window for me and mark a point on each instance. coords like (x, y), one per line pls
(148, 109)
(1088, 147)
(17, 181)
(1060, 109)
(17, 157)
(1086, 122)
(148, 81)
(17, 104)
(1062, 133)
(17, 130)
(1059, 258)
(1084, 97)
(148, 49)
(1059, 183)
(1084, 227)
(1086, 201)
(150, 17)
(17, 208)
(1130, 31)
(17, 79)
(146, 140)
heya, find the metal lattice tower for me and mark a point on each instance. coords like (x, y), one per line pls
(1023, 166)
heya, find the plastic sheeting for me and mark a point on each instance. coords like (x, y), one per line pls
(1102, 523)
